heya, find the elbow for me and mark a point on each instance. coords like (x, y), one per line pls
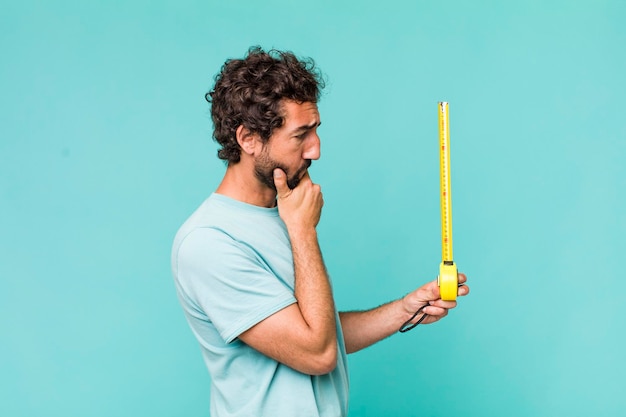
(324, 362)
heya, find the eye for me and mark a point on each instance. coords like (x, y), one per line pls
(302, 136)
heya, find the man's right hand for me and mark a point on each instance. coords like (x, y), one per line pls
(300, 207)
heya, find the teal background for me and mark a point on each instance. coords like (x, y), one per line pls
(105, 149)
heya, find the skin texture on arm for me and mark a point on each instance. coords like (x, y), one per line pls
(302, 335)
(364, 328)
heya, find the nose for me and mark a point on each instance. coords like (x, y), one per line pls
(312, 148)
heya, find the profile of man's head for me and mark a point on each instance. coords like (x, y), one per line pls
(249, 92)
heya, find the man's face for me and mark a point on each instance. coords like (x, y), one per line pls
(292, 146)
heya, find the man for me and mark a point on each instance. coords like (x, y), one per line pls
(247, 265)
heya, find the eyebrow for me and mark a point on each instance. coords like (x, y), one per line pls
(305, 128)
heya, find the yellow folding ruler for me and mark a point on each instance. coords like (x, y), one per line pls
(448, 278)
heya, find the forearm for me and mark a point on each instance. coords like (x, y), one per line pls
(303, 335)
(313, 292)
(364, 328)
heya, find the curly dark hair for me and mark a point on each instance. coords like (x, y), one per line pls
(250, 91)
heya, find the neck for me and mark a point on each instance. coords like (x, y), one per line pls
(241, 184)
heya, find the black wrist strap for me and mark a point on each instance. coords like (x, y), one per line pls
(408, 326)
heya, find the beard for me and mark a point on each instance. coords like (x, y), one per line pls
(264, 168)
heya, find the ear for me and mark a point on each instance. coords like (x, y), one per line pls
(247, 140)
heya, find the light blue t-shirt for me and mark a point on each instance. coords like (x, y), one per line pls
(233, 267)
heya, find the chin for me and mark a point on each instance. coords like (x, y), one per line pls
(293, 182)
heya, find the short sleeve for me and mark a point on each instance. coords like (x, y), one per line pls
(229, 282)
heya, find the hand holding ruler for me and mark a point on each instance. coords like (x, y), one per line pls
(448, 279)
